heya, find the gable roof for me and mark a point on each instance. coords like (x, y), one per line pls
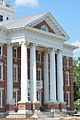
(30, 21)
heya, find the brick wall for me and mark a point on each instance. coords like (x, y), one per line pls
(3, 84)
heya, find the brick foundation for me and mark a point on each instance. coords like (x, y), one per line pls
(35, 106)
(53, 105)
(9, 107)
(62, 105)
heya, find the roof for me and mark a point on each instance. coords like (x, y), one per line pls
(31, 20)
(22, 22)
(70, 46)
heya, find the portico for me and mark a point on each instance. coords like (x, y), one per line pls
(49, 83)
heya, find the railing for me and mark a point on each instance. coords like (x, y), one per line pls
(39, 84)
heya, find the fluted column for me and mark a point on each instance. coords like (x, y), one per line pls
(52, 76)
(24, 76)
(33, 73)
(46, 78)
(9, 75)
(60, 76)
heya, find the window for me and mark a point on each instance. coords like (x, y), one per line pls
(39, 73)
(1, 71)
(39, 56)
(67, 78)
(15, 53)
(67, 61)
(15, 96)
(44, 28)
(0, 98)
(1, 18)
(15, 73)
(0, 50)
(68, 99)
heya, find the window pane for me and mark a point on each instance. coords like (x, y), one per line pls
(0, 50)
(0, 71)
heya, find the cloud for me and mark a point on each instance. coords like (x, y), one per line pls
(30, 3)
(76, 52)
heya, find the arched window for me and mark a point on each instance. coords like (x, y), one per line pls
(44, 28)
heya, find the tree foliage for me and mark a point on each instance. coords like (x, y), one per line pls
(76, 64)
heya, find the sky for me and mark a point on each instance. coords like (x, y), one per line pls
(66, 12)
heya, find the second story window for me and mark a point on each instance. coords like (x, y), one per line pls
(39, 56)
(67, 61)
(39, 73)
(15, 73)
(1, 71)
(67, 79)
(15, 52)
(0, 50)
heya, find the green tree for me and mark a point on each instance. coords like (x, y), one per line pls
(76, 64)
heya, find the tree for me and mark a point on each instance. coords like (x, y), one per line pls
(76, 64)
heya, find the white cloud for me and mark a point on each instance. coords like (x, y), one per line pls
(76, 52)
(30, 3)
(76, 43)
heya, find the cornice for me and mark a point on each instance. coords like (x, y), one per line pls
(38, 32)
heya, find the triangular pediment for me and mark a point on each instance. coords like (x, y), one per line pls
(48, 20)
(43, 24)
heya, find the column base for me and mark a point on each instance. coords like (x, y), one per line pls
(53, 105)
(62, 105)
(24, 106)
(36, 106)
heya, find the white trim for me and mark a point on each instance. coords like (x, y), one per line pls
(1, 50)
(68, 93)
(67, 79)
(40, 70)
(1, 98)
(16, 52)
(15, 66)
(15, 99)
(39, 56)
(1, 64)
(44, 28)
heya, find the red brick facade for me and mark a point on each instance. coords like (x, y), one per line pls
(3, 83)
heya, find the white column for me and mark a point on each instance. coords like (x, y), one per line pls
(60, 76)
(24, 76)
(9, 75)
(46, 79)
(52, 76)
(33, 73)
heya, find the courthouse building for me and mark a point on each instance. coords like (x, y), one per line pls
(36, 64)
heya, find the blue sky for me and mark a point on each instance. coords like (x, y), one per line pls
(66, 12)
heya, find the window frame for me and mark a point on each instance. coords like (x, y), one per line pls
(1, 98)
(44, 28)
(15, 99)
(15, 66)
(68, 62)
(68, 100)
(67, 78)
(15, 55)
(39, 56)
(39, 73)
(1, 64)
(1, 51)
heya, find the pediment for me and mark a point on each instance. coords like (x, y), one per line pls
(44, 24)
(48, 20)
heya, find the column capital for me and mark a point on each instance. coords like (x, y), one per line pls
(33, 44)
(59, 51)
